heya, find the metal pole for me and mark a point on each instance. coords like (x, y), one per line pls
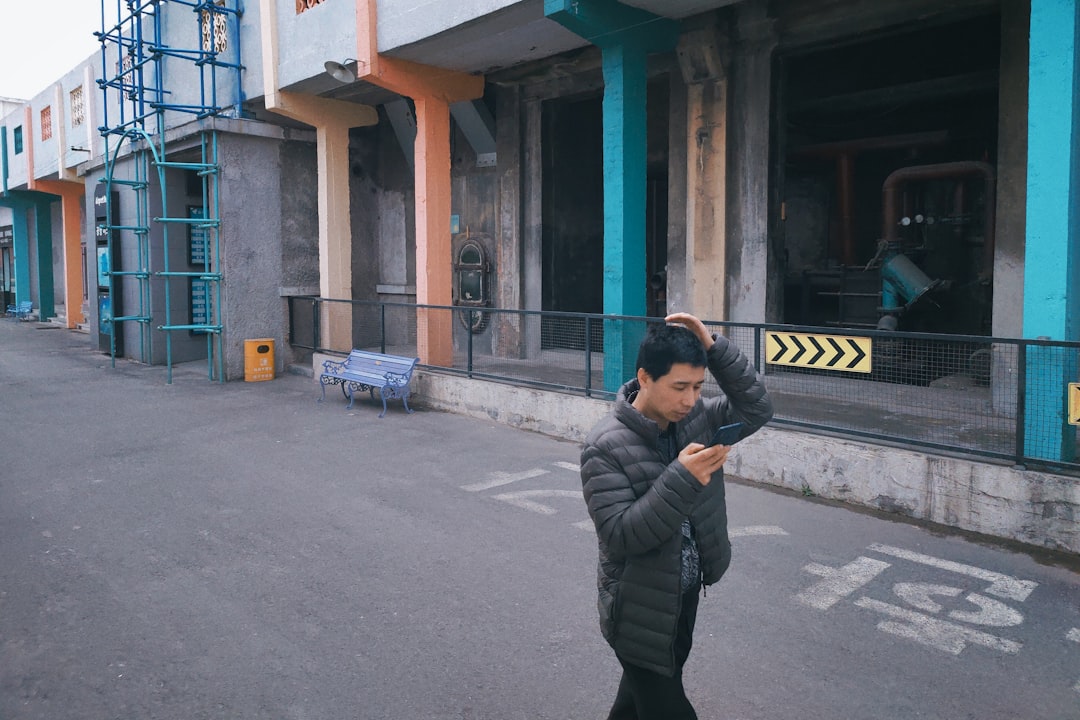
(1021, 402)
(382, 329)
(588, 356)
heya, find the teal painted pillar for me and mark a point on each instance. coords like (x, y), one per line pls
(1052, 258)
(625, 36)
(20, 245)
(22, 204)
(43, 235)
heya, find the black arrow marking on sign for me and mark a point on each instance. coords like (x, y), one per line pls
(820, 351)
(783, 348)
(802, 350)
(859, 354)
(839, 353)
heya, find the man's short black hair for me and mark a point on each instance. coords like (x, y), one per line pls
(665, 345)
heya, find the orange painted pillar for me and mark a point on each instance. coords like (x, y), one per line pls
(432, 89)
(72, 195)
(433, 254)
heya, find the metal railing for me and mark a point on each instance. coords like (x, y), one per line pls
(999, 398)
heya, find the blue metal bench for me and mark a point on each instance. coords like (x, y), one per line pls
(362, 370)
(21, 311)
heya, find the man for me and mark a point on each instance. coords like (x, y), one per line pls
(655, 492)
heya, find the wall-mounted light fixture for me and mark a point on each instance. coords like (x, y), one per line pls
(340, 70)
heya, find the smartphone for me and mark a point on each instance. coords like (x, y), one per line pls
(727, 435)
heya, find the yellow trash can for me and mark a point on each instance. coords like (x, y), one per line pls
(258, 359)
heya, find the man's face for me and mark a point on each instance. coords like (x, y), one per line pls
(670, 398)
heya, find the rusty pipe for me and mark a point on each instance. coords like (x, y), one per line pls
(894, 183)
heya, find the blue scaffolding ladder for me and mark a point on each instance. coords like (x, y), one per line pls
(137, 109)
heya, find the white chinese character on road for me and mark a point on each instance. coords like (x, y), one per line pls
(921, 621)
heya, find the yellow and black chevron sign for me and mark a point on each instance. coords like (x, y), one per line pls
(825, 352)
(1074, 403)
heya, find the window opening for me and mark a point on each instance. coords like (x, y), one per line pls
(46, 123)
(214, 27)
(302, 5)
(78, 107)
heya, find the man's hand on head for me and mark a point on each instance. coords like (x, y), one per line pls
(694, 325)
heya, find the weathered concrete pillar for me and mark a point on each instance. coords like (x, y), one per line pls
(1008, 280)
(533, 231)
(705, 72)
(507, 329)
(748, 259)
(625, 36)
(1052, 249)
(335, 236)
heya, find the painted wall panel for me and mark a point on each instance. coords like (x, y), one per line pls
(305, 41)
(406, 21)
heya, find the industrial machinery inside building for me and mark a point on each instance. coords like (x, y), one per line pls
(887, 180)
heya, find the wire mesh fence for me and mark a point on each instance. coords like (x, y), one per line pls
(993, 397)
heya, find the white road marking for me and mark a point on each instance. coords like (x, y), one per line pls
(918, 595)
(839, 582)
(750, 530)
(522, 500)
(1003, 586)
(568, 466)
(1074, 635)
(991, 612)
(939, 634)
(498, 479)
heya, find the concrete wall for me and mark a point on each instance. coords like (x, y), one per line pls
(46, 154)
(16, 163)
(306, 41)
(77, 138)
(407, 21)
(262, 194)
(1035, 508)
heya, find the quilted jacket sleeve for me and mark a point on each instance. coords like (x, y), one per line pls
(626, 524)
(744, 397)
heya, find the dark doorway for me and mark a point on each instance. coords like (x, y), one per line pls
(572, 251)
(573, 205)
(7, 266)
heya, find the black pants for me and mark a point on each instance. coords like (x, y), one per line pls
(647, 695)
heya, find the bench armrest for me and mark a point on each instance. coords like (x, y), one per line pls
(398, 379)
(332, 366)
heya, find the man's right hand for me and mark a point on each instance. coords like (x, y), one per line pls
(703, 461)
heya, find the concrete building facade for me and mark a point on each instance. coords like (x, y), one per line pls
(744, 160)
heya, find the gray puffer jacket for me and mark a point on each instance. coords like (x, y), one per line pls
(638, 502)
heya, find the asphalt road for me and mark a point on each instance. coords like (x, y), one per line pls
(197, 551)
